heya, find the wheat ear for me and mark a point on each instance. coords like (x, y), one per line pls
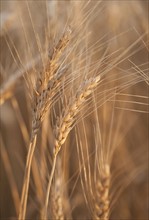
(53, 64)
(102, 196)
(65, 122)
(48, 82)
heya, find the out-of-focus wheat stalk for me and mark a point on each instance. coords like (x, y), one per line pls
(13, 184)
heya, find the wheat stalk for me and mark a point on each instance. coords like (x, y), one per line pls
(24, 195)
(64, 124)
(41, 101)
(13, 185)
(57, 195)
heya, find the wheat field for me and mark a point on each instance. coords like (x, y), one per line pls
(74, 124)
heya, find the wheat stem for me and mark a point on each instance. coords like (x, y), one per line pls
(57, 193)
(64, 125)
(24, 195)
(49, 186)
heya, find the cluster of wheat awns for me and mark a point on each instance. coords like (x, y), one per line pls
(79, 83)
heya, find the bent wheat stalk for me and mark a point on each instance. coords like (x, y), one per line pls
(64, 125)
